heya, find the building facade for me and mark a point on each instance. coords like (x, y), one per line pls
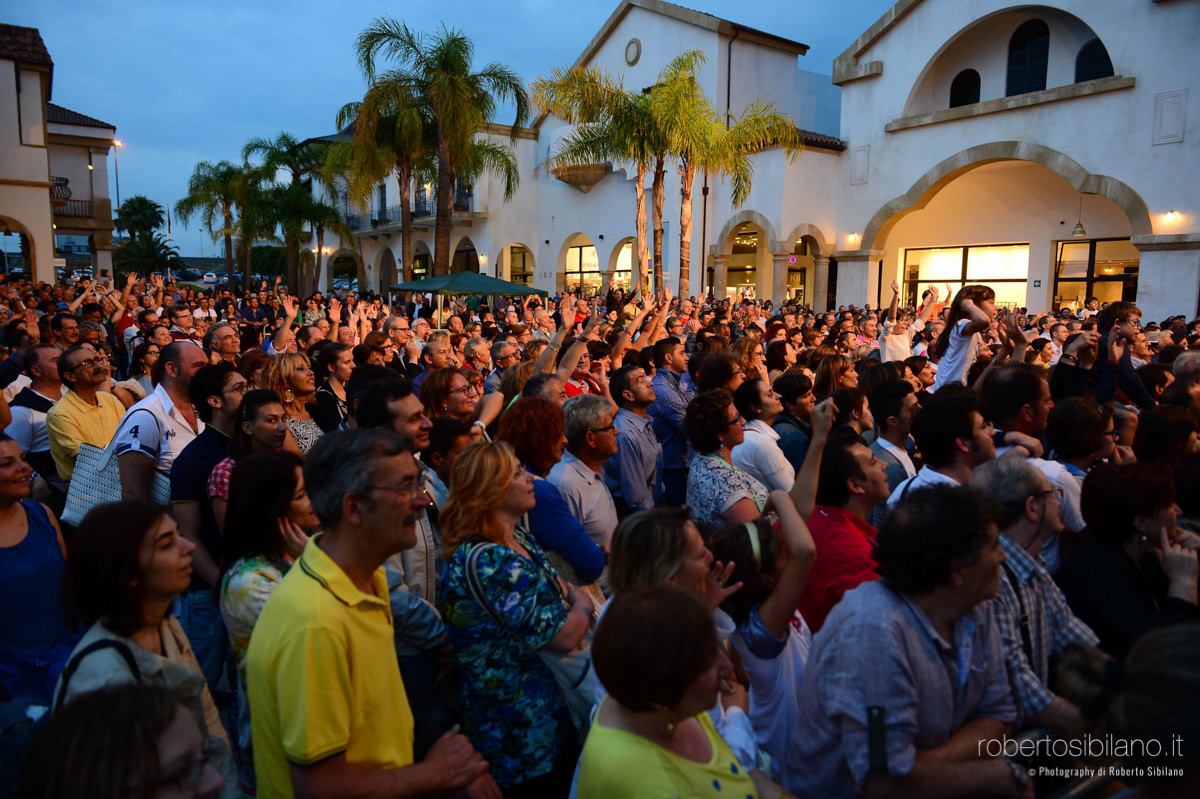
(1041, 149)
(53, 162)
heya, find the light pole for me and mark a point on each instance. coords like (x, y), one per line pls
(117, 145)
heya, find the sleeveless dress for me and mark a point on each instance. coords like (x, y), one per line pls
(36, 641)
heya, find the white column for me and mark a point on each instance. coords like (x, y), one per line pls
(858, 276)
(720, 276)
(820, 284)
(779, 276)
(1168, 275)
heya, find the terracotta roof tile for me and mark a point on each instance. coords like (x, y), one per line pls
(24, 45)
(65, 116)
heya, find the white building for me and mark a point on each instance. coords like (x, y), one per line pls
(53, 161)
(1040, 149)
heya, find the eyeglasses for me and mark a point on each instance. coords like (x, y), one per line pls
(736, 420)
(240, 388)
(414, 489)
(467, 391)
(90, 362)
(608, 429)
(1055, 490)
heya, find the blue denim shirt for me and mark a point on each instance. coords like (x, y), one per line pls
(666, 418)
(878, 648)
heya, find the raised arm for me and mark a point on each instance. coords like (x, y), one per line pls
(779, 607)
(927, 311)
(291, 306)
(804, 490)
(978, 319)
(890, 313)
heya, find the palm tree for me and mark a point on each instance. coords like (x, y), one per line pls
(146, 253)
(212, 192)
(139, 214)
(612, 124)
(322, 217)
(393, 134)
(302, 162)
(699, 138)
(437, 69)
(256, 217)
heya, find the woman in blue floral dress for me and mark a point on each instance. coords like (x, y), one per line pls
(513, 712)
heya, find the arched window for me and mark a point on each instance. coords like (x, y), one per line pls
(964, 89)
(1028, 54)
(1093, 62)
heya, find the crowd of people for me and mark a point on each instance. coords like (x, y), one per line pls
(622, 546)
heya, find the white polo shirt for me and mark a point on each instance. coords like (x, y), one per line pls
(156, 428)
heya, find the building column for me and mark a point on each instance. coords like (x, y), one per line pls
(779, 278)
(1168, 275)
(720, 276)
(820, 291)
(858, 277)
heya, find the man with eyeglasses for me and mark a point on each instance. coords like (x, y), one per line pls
(335, 719)
(216, 393)
(1017, 400)
(1036, 625)
(85, 414)
(591, 440)
(400, 331)
(504, 354)
(953, 438)
(181, 323)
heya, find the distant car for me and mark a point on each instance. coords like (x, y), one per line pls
(210, 278)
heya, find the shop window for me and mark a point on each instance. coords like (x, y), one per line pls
(583, 270)
(1106, 269)
(964, 89)
(520, 263)
(1028, 57)
(1004, 267)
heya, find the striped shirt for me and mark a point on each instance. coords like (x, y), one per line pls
(1051, 626)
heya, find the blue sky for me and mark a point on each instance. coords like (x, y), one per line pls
(190, 81)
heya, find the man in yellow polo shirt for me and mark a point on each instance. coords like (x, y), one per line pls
(330, 717)
(85, 415)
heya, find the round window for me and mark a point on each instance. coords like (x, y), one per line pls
(633, 51)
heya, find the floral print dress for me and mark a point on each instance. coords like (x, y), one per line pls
(513, 712)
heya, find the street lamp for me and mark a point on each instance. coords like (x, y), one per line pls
(117, 145)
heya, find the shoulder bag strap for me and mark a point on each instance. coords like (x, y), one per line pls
(73, 665)
(1023, 621)
(475, 586)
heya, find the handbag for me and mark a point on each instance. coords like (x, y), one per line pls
(97, 480)
(572, 671)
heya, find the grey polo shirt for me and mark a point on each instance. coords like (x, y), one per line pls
(586, 495)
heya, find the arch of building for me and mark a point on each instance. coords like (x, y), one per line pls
(983, 43)
(615, 256)
(466, 262)
(768, 284)
(385, 269)
(504, 259)
(816, 283)
(933, 181)
(579, 239)
(326, 279)
(35, 267)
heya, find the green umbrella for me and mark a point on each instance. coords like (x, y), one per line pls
(471, 283)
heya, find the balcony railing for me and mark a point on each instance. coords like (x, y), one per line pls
(424, 205)
(75, 209)
(60, 188)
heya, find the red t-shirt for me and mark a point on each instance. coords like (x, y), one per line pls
(844, 561)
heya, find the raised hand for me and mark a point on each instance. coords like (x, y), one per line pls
(335, 311)
(717, 587)
(1116, 344)
(821, 417)
(895, 287)
(290, 305)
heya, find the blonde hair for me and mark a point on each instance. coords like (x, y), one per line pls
(478, 482)
(277, 374)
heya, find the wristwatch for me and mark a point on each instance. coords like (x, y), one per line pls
(1020, 777)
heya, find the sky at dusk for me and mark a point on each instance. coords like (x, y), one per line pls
(190, 81)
